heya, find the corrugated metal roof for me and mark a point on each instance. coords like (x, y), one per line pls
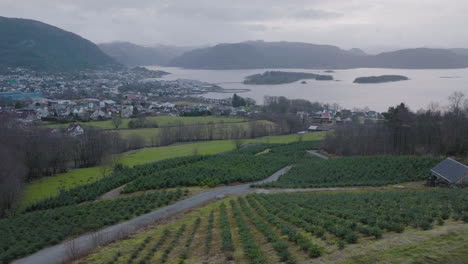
(451, 170)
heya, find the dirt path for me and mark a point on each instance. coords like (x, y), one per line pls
(329, 189)
(315, 153)
(111, 194)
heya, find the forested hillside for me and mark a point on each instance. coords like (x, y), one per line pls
(39, 46)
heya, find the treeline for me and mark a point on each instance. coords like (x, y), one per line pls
(283, 112)
(281, 104)
(263, 124)
(214, 131)
(28, 153)
(429, 131)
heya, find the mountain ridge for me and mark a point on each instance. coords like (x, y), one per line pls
(36, 45)
(259, 54)
(131, 54)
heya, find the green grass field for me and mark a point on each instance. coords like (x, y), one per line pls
(51, 186)
(160, 120)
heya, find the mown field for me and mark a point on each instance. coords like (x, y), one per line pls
(356, 171)
(160, 120)
(404, 226)
(51, 186)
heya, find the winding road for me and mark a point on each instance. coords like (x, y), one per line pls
(85, 243)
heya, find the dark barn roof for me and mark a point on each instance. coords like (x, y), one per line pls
(451, 170)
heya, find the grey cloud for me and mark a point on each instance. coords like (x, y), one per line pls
(256, 27)
(345, 23)
(316, 14)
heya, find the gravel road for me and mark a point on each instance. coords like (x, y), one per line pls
(328, 189)
(87, 242)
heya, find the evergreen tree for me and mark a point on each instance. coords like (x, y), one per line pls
(237, 101)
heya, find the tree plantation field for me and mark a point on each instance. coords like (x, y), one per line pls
(236, 166)
(356, 171)
(29, 232)
(119, 177)
(196, 170)
(76, 211)
(160, 120)
(51, 186)
(302, 228)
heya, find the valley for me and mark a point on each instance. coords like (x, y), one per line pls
(230, 132)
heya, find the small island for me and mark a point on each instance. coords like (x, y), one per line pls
(279, 77)
(381, 79)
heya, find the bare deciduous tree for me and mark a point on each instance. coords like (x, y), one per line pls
(238, 143)
(404, 132)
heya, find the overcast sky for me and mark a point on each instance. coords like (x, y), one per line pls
(369, 24)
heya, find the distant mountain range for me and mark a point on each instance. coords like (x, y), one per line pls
(131, 54)
(460, 51)
(259, 54)
(32, 44)
(35, 45)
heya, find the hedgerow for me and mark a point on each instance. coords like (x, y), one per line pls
(251, 249)
(209, 233)
(355, 171)
(226, 238)
(27, 233)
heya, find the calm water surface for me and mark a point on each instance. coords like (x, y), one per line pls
(424, 86)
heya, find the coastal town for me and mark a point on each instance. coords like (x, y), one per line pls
(98, 94)
(130, 92)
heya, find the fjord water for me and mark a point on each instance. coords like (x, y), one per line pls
(423, 88)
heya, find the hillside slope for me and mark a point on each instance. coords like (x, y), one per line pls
(259, 54)
(134, 55)
(421, 58)
(39, 46)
